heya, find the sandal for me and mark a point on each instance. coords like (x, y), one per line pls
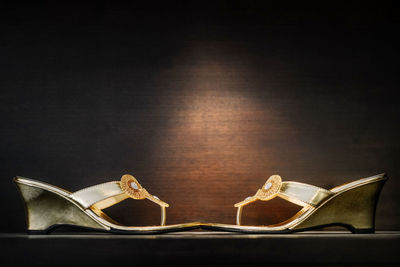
(48, 207)
(351, 205)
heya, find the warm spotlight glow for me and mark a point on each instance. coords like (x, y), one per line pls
(219, 140)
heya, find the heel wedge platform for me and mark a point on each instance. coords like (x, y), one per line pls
(351, 205)
(48, 207)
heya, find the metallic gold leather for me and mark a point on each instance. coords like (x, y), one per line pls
(239, 214)
(297, 193)
(359, 182)
(93, 194)
(303, 194)
(267, 192)
(45, 209)
(56, 207)
(156, 200)
(140, 192)
(108, 202)
(354, 207)
(105, 195)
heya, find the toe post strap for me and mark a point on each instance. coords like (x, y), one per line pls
(105, 195)
(297, 193)
(133, 189)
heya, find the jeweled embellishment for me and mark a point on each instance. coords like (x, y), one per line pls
(267, 186)
(132, 187)
(270, 188)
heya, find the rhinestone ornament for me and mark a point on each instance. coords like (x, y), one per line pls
(267, 186)
(132, 187)
(270, 188)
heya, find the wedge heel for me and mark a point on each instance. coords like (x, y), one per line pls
(45, 210)
(354, 209)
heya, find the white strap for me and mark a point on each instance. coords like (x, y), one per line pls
(93, 194)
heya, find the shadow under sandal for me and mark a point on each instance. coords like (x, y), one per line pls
(48, 207)
(351, 205)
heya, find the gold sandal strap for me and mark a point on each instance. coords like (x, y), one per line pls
(298, 193)
(105, 195)
(90, 195)
(303, 194)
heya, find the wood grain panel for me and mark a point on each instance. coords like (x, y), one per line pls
(202, 107)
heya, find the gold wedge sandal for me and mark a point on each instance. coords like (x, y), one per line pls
(48, 207)
(351, 205)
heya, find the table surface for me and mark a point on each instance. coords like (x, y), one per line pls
(200, 247)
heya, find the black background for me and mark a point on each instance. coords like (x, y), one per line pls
(200, 101)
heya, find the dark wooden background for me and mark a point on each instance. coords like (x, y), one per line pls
(200, 102)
